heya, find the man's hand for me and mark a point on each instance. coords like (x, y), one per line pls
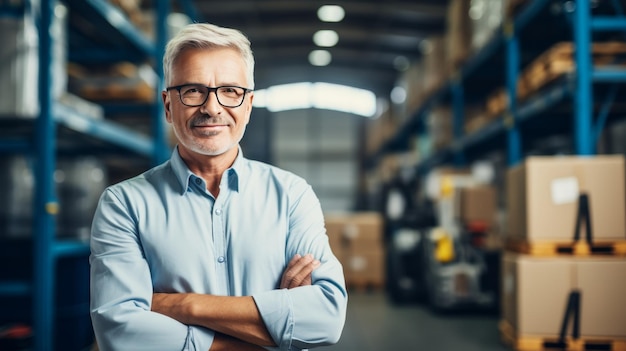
(298, 271)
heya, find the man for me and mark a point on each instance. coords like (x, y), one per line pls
(211, 251)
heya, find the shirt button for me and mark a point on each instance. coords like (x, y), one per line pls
(218, 212)
(198, 181)
(221, 259)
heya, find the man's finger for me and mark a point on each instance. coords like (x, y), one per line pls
(297, 271)
(293, 268)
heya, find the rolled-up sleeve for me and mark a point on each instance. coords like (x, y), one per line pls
(307, 316)
(121, 289)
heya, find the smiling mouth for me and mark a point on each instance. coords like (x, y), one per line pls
(210, 126)
(209, 130)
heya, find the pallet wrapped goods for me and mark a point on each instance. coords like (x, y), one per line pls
(19, 61)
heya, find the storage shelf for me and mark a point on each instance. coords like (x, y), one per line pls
(498, 54)
(15, 288)
(96, 27)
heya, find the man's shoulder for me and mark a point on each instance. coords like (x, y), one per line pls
(258, 168)
(145, 181)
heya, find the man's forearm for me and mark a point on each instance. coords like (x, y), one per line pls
(223, 342)
(236, 316)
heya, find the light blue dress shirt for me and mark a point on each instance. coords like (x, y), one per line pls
(162, 231)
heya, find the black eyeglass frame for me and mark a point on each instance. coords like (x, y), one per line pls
(211, 89)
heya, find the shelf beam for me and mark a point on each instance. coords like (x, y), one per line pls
(608, 24)
(103, 130)
(608, 75)
(16, 146)
(15, 288)
(67, 248)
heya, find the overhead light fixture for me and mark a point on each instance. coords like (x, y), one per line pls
(398, 95)
(325, 38)
(331, 13)
(320, 57)
(401, 63)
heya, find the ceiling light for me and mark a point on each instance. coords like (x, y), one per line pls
(330, 13)
(401, 63)
(320, 57)
(325, 38)
(398, 95)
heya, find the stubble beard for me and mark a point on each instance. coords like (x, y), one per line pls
(204, 146)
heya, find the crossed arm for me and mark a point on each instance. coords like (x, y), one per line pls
(235, 319)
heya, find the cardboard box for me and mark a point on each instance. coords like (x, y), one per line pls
(476, 204)
(363, 232)
(366, 267)
(542, 197)
(536, 289)
(458, 33)
(354, 233)
(335, 224)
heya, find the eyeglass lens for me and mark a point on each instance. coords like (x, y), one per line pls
(196, 95)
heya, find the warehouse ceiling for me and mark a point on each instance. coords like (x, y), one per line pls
(376, 39)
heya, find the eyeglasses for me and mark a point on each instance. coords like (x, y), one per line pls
(194, 95)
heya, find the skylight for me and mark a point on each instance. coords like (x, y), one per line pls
(317, 95)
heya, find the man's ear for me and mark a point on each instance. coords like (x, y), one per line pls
(167, 106)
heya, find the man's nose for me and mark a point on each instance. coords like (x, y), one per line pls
(211, 106)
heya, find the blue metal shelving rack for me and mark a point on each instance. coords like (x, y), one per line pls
(46, 249)
(578, 88)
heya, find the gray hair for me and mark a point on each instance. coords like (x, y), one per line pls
(208, 36)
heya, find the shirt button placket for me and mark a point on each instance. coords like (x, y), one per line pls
(220, 259)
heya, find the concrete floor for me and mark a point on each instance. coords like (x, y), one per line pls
(374, 324)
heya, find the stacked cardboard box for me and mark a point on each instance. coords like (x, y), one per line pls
(542, 269)
(543, 194)
(458, 33)
(536, 291)
(357, 241)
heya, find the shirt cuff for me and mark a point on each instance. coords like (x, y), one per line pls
(199, 339)
(275, 308)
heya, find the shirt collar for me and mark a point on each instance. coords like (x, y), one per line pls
(185, 176)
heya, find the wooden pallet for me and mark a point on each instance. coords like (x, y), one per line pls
(497, 102)
(559, 60)
(553, 64)
(540, 343)
(513, 7)
(138, 91)
(364, 285)
(614, 248)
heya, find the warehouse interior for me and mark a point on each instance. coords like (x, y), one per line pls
(469, 157)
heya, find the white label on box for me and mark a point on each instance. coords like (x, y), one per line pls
(351, 231)
(358, 263)
(564, 190)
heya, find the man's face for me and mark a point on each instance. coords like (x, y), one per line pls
(210, 129)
